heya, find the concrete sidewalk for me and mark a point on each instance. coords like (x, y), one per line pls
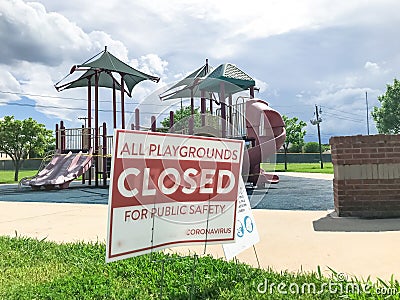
(290, 240)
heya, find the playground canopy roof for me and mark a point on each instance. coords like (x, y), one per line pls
(234, 79)
(188, 86)
(105, 65)
(105, 80)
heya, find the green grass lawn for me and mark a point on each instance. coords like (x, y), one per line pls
(8, 176)
(32, 269)
(301, 167)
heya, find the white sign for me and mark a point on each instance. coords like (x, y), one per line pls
(170, 190)
(246, 229)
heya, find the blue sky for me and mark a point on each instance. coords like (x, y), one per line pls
(301, 53)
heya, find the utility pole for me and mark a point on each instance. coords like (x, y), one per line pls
(366, 103)
(316, 122)
(84, 118)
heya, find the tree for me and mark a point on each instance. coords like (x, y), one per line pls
(19, 138)
(294, 134)
(181, 117)
(326, 147)
(311, 147)
(387, 117)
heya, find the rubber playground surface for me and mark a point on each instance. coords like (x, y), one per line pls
(291, 193)
(297, 228)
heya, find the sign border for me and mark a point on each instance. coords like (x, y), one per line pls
(113, 257)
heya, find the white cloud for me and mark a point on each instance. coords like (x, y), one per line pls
(151, 64)
(371, 66)
(262, 85)
(100, 39)
(8, 86)
(34, 35)
(42, 47)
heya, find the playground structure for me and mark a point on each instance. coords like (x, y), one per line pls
(244, 118)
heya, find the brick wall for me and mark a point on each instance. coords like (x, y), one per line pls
(367, 175)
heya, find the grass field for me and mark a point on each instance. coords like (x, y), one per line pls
(8, 176)
(33, 269)
(301, 167)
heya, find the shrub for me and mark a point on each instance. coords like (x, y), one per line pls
(295, 148)
(311, 147)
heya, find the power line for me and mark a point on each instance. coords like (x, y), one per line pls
(44, 96)
(341, 111)
(343, 117)
(68, 98)
(68, 108)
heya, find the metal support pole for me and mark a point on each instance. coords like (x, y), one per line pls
(122, 102)
(114, 106)
(203, 109)
(191, 102)
(153, 123)
(89, 107)
(255, 252)
(366, 103)
(96, 128)
(137, 121)
(57, 138)
(171, 121)
(252, 92)
(104, 154)
(83, 142)
(230, 114)
(62, 136)
(319, 136)
(223, 109)
(89, 136)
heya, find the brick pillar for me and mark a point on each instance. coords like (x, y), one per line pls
(366, 175)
